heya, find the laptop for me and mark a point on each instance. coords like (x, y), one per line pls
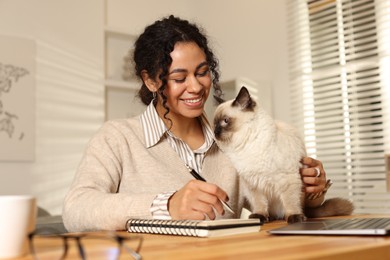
(50, 225)
(349, 226)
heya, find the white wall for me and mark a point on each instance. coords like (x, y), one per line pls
(250, 40)
(248, 37)
(69, 92)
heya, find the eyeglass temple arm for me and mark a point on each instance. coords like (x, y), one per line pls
(135, 253)
(81, 249)
(132, 252)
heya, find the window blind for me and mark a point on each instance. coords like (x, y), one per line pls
(338, 59)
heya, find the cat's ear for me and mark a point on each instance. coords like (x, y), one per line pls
(244, 100)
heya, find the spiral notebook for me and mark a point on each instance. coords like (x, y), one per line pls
(196, 228)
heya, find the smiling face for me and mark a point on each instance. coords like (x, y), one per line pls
(188, 82)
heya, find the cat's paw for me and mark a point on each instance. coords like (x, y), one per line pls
(259, 216)
(296, 218)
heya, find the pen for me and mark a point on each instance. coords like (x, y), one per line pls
(198, 177)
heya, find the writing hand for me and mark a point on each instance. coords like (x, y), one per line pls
(196, 200)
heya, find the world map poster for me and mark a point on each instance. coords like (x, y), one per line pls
(17, 99)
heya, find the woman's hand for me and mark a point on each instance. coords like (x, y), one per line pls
(196, 200)
(313, 175)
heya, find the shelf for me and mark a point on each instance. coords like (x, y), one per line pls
(118, 49)
(121, 86)
(122, 103)
(116, 83)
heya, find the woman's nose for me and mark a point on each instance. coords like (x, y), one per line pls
(194, 86)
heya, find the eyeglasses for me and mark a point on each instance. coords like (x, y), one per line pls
(93, 245)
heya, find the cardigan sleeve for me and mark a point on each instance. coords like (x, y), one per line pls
(96, 199)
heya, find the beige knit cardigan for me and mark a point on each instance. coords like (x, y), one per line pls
(118, 178)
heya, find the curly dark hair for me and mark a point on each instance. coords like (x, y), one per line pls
(152, 52)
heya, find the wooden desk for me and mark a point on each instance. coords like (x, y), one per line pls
(265, 246)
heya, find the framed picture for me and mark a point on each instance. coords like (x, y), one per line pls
(17, 99)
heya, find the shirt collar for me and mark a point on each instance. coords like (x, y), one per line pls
(154, 128)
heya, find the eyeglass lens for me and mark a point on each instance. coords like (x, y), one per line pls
(107, 248)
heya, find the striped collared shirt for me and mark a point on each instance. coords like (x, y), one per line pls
(154, 130)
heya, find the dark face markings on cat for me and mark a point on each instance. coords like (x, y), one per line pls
(267, 155)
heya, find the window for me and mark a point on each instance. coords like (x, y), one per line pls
(340, 93)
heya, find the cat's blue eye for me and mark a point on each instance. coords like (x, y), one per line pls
(225, 121)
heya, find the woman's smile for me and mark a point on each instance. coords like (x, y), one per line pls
(193, 102)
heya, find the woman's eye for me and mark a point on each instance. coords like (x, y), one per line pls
(203, 73)
(180, 80)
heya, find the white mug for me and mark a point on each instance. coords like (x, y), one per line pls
(17, 220)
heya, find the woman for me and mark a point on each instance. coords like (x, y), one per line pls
(137, 167)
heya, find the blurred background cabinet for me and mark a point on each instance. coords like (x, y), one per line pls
(121, 86)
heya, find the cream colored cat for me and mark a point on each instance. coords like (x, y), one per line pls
(267, 154)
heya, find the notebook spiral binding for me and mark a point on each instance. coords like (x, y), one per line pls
(167, 227)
